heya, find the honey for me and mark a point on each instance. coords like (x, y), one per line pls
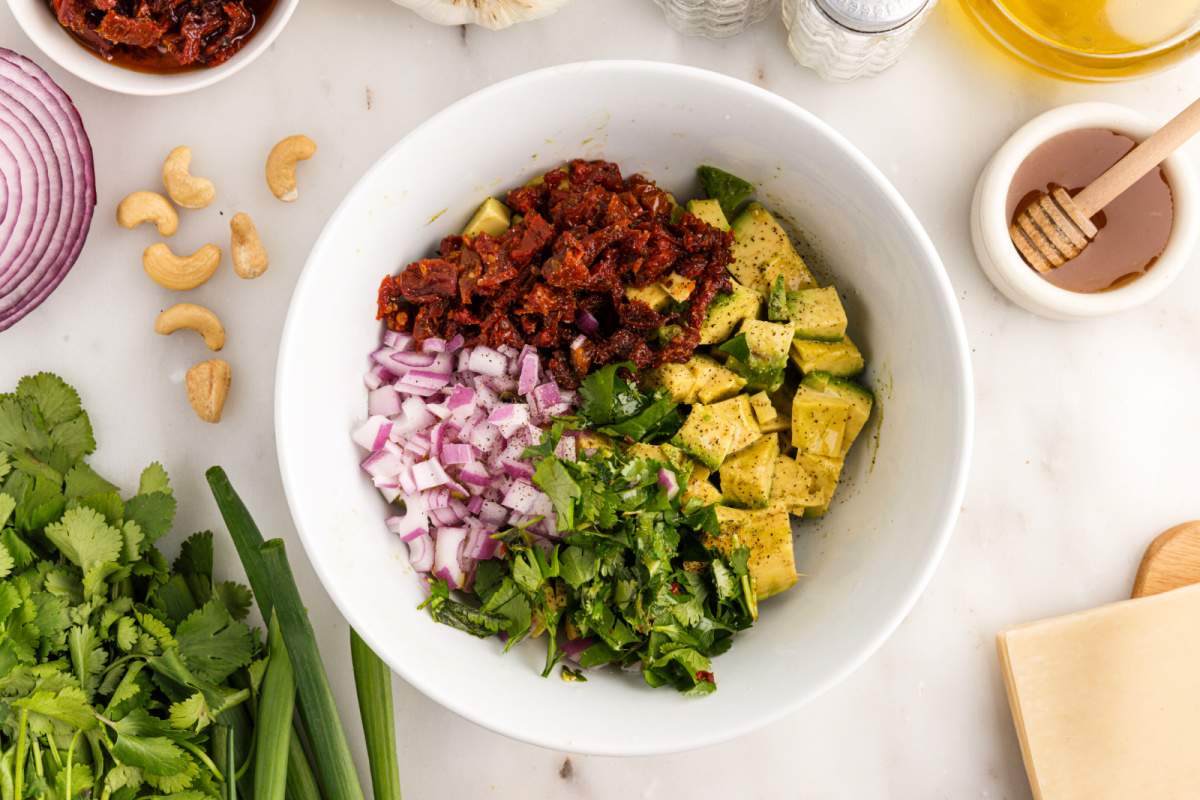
(1100, 40)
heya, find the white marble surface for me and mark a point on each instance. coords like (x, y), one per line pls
(1087, 432)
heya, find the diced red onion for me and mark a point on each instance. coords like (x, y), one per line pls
(487, 361)
(475, 474)
(578, 342)
(397, 340)
(509, 418)
(475, 504)
(461, 397)
(372, 434)
(426, 379)
(521, 496)
(565, 449)
(492, 513)
(455, 343)
(668, 481)
(373, 380)
(383, 401)
(447, 564)
(407, 484)
(438, 498)
(516, 469)
(382, 464)
(445, 516)
(501, 385)
(485, 438)
(429, 474)
(420, 553)
(416, 417)
(412, 360)
(529, 373)
(586, 322)
(433, 345)
(573, 648)
(457, 454)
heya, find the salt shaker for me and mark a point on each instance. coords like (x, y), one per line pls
(715, 19)
(847, 39)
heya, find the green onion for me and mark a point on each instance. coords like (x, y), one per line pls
(335, 765)
(230, 759)
(301, 783)
(235, 724)
(373, 682)
(274, 728)
(245, 534)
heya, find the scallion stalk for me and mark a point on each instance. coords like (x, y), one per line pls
(274, 728)
(301, 783)
(373, 682)
(335, 765)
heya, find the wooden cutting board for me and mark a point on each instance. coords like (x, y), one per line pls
(1171, 561)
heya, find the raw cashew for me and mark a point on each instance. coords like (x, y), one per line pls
(207, 388)
(246, 248)
(192, 317)
(142, 207)
(281, 165)
(180, 272)
(186, 189)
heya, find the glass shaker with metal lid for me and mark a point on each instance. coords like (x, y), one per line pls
(846, 39)
(715, 19)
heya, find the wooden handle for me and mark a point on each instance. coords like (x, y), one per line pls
(1140, 160)
(1171, 561)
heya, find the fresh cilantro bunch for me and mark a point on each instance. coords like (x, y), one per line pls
(631, 584)
(613, 405)
(122, 676)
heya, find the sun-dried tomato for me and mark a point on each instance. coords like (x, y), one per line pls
(586, 234)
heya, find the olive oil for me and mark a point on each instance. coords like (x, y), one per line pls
(1092, 39)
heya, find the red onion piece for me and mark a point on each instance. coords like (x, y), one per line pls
(586, 322)
(49, 195)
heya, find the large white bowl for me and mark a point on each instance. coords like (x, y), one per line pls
(864, 565)
(37, 20)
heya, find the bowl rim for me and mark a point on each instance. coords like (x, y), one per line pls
(1003, 264)
(943, 523)
(114, 78)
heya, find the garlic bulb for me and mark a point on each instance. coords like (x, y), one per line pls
(494, 14)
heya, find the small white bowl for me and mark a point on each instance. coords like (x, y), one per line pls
(39, 23)
(1004, 265)
(864, 564)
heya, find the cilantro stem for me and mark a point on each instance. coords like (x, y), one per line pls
(230, 760)
(19, 765)
(203, 756)
(71, 761)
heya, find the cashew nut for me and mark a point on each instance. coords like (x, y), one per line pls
(246, 248)
(185, 189)
(142, 207)
(195, 318)
(180, 272)
(281, 165)
(207, 388)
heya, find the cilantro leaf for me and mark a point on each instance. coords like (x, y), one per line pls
(236, 598)
(51, 396)
(85, 538)
(69, 706)
(154, 479)
(554, 479)
(155, 755)
(212, 643)
(154, 513)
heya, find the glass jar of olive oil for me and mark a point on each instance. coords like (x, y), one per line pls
(1096, 40)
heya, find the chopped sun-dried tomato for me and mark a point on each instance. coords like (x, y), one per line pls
(585, 235)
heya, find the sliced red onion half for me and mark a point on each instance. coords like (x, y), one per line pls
(47, 186)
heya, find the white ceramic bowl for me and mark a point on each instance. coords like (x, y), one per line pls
(864, 564)
(40, 25)
(1008, 271)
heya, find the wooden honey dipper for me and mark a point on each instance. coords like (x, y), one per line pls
(1057, 227)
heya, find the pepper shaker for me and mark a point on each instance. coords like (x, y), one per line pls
(715, 19)
(847, 39)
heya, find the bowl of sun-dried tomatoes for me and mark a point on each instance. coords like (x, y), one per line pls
(152, 47)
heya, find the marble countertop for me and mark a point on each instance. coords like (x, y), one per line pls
(1087, 432)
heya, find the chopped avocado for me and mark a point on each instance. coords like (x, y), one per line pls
(710, 212)
(747, 476)
(713, 382)
(768, 535)
(728, 190)
(678, 380)
(764, 411)
(727, 312)
(653, 295)
(643, 450)
(677, 458)
(707, 435)
(677, 287)
(819, 422)
(859, 398)
(803, 482)
(816, 512)
(703, 491)
(759, 353)
(762, 252)
(842, 359)
(492, 218)
(781, 422)
(590, 440)
(743, 426)
(817, 314)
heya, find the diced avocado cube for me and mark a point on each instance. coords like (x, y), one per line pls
(653, 295)
(762, 251)
(590, 440)
(780, 423)
(859, 398)
(746, 477)
(643, 450)
(725, 188)
(677, 287)
(803, 482)
(712, 381)
(842, 359)
(762, 361)
(768, 536)
(702, 490)
(492, 218)
(677, 458)
(727, 312)
(743, 427)
(819, 422)
(817, 314)
(709, 211)
(707, 434)
(678, 380)
(764, 410)
(816, 512)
